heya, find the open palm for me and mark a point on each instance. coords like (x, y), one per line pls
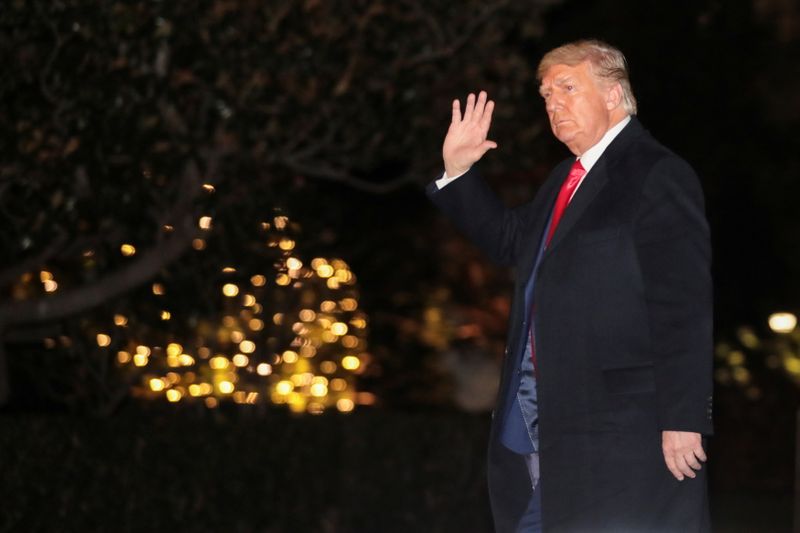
(466, 141)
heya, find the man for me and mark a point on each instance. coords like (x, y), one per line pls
(606, 386)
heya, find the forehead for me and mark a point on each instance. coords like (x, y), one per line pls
(560, 73)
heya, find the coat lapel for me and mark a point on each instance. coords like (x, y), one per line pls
(594, 181)
(541, 216)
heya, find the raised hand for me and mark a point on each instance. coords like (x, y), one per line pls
(466, 141)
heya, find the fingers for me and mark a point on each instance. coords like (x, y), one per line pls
(700, 453)
(456, 111)
(683, 466)
(672, 467)
(469, 108)
(692, 461)
(480, 107)
(478, 110)
(678, 466)
(486, 119)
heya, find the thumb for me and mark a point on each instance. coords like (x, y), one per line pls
(488, 145)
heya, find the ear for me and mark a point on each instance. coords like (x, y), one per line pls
(614, 96)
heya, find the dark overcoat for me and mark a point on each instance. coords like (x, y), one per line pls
(623, 328)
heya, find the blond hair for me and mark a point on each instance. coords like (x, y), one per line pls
(607, 63)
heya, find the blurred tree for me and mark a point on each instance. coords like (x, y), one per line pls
(122, 118)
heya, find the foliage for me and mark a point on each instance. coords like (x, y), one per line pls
(132, 120)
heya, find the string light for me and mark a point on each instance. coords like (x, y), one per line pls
(230, 290)
(339, 328)
(174, 395)
(307, 315)
(325, 270)
(174, 349)
(294, 263)
(349, 304)
(296, 362)
(345, 405)
(350, 362)
(284, 387)
(782, 322)
(219, 362)
(247, 346)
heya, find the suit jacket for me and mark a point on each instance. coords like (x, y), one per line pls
(623, 329)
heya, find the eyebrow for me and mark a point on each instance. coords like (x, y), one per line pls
(558, 82)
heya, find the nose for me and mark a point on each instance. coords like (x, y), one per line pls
(552, 103)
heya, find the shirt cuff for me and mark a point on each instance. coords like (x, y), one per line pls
(445, 179)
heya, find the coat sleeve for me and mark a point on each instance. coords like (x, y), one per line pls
(673, 246)
(472, 206)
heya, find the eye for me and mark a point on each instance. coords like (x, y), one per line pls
(570, 88)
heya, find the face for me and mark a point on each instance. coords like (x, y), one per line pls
(581, 108)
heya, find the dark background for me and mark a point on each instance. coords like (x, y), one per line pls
(332, 113)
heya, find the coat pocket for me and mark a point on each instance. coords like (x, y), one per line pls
(636, 379)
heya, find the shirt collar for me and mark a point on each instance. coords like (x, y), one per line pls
(590, 156)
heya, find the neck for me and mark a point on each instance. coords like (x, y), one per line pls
(614, 119)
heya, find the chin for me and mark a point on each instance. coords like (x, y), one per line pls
(565, 138)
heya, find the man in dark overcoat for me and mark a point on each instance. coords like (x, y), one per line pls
(605, 395)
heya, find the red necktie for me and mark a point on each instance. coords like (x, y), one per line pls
(567, 189)
(564, 195)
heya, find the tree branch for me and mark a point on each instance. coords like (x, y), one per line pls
(73, 301)
(456, 43)
(323, 172)
(9, 274)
